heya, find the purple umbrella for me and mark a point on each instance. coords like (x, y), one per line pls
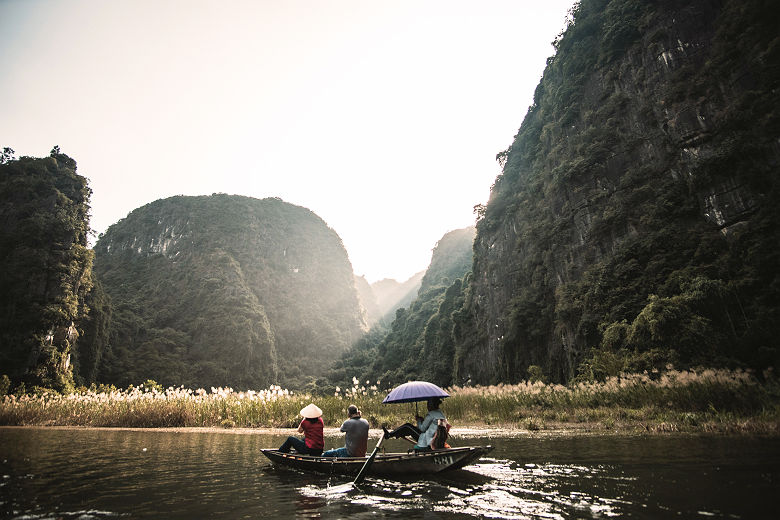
(414, 391)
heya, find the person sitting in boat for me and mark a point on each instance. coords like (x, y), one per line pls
(311, 427)
(430, 433)
(356, 438)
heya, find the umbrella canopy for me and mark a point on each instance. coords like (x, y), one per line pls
(311, 412)
(414, 391)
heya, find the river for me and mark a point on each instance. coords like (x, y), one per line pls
(100, 473)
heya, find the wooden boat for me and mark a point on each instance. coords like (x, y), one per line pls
(385, 464)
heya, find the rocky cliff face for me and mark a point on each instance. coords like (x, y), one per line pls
(45, 268)
(225, 290)
(451, 259)
(648, 160)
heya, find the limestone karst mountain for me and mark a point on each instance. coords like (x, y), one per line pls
(225, 290)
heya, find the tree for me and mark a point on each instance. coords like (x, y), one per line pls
(7, 155)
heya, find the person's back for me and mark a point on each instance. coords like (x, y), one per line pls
(312, 428)
(313, 433)
(356, 438)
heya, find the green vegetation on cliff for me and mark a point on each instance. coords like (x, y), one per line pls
(635, 221)
(225, 290)
(45, 268)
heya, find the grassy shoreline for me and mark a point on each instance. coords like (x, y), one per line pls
(706, 401)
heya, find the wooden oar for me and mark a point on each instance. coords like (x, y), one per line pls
(345, 488)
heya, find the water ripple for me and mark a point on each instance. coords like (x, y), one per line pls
(494, 488)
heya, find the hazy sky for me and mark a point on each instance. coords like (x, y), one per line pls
(382, 117)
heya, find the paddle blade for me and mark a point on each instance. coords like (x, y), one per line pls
(343, 488)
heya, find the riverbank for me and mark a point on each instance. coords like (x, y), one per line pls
(707, 401)
(465, 432)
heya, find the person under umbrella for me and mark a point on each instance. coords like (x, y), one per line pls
(430, 431)
(311, 427)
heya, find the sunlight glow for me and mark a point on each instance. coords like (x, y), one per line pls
(384, 118)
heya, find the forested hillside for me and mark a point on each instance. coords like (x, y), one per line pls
(418, 343)
(45, 269)
(225, 290)
(635, 222)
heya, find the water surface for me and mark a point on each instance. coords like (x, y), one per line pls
(84, 474)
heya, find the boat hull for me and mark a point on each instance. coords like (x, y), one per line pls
(386, 464)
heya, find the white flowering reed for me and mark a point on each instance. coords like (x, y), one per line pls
(672, 400)
(151, 407)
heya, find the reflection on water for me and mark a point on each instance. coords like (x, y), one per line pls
(492, 489)
(85, 474)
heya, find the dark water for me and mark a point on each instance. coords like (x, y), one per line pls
(85, 474)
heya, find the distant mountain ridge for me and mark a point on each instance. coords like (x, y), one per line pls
(416, 342)
(382, 298)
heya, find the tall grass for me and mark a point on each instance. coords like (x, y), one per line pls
(707, 400)
(153, 407)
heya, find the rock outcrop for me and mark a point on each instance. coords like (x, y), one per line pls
(45, 268)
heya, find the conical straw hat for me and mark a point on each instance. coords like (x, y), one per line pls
(311, 412)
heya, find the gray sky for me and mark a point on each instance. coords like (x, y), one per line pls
(382, 117)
